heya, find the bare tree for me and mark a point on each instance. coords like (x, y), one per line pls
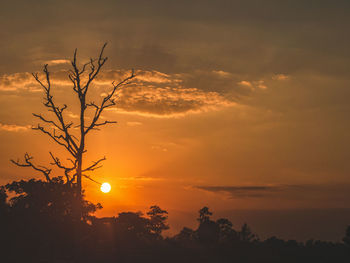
(62, 133)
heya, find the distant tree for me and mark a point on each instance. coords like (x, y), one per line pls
(275, 242)
(3, 198)
(346, 238)
(4, 210)
(292, 243)
(245, 234)
(208, 231)
(227, 233)
(6, 229)
(204, 215)
(132, 226)
(185, 235)
(157, 220)
(64, 132)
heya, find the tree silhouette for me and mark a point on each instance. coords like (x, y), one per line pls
(204, 215)
(346, 239)
(246, 234)
(4, 208)
(40, 218)
(50, 200)
(157, 221)
(185, 235)
(132, 227)
(208, 231)
(227, 233)
(3, 197)
(63, 130)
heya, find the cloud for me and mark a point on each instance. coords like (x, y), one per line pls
(141, 76)
(262, 86)
(168, 101)
(245, 83)
(57, 61)
(244, 191)
(280, 77)
(159, 148)
(222, 74)
(134, 123)
(72, 115)
(25, 81)
(152, 93)
(157, 94)
(13, 82)
(259, 84)
(336, 192)
(13, 127)
(154, 76)
(141, 178)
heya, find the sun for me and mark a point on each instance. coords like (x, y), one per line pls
(105, 187)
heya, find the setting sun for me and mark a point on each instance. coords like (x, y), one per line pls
(105, 187)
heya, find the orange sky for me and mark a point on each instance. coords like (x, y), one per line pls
(233, 107)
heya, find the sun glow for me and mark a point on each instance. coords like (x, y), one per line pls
(105, 187)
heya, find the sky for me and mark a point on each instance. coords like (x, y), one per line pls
(241, 106)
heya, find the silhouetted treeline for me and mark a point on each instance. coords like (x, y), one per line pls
(39, 223)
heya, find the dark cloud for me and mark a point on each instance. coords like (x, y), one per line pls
(250, 37)
(244, 191)
(329, 192)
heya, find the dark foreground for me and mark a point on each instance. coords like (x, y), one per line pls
(46, 222)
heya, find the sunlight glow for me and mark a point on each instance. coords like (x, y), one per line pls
(105, 187)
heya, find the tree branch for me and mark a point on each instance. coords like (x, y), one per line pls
(58, 111)
(95, 165)
(107, 101)
(28, 163)
(57, 139)
(47, 121)
(67, 170)
(88, 177)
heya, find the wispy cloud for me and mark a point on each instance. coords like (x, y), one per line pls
(57, 61)
(280, 77)
(261, 85)
(72, 115)
(257, 84)
(244, 191)
(336, 192)
(13, 127)
(134, 123)
(222, 74)
(159, 148)
(141, 178)
(13, 82)
(245, 83)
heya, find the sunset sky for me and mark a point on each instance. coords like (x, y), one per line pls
(242, 106)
